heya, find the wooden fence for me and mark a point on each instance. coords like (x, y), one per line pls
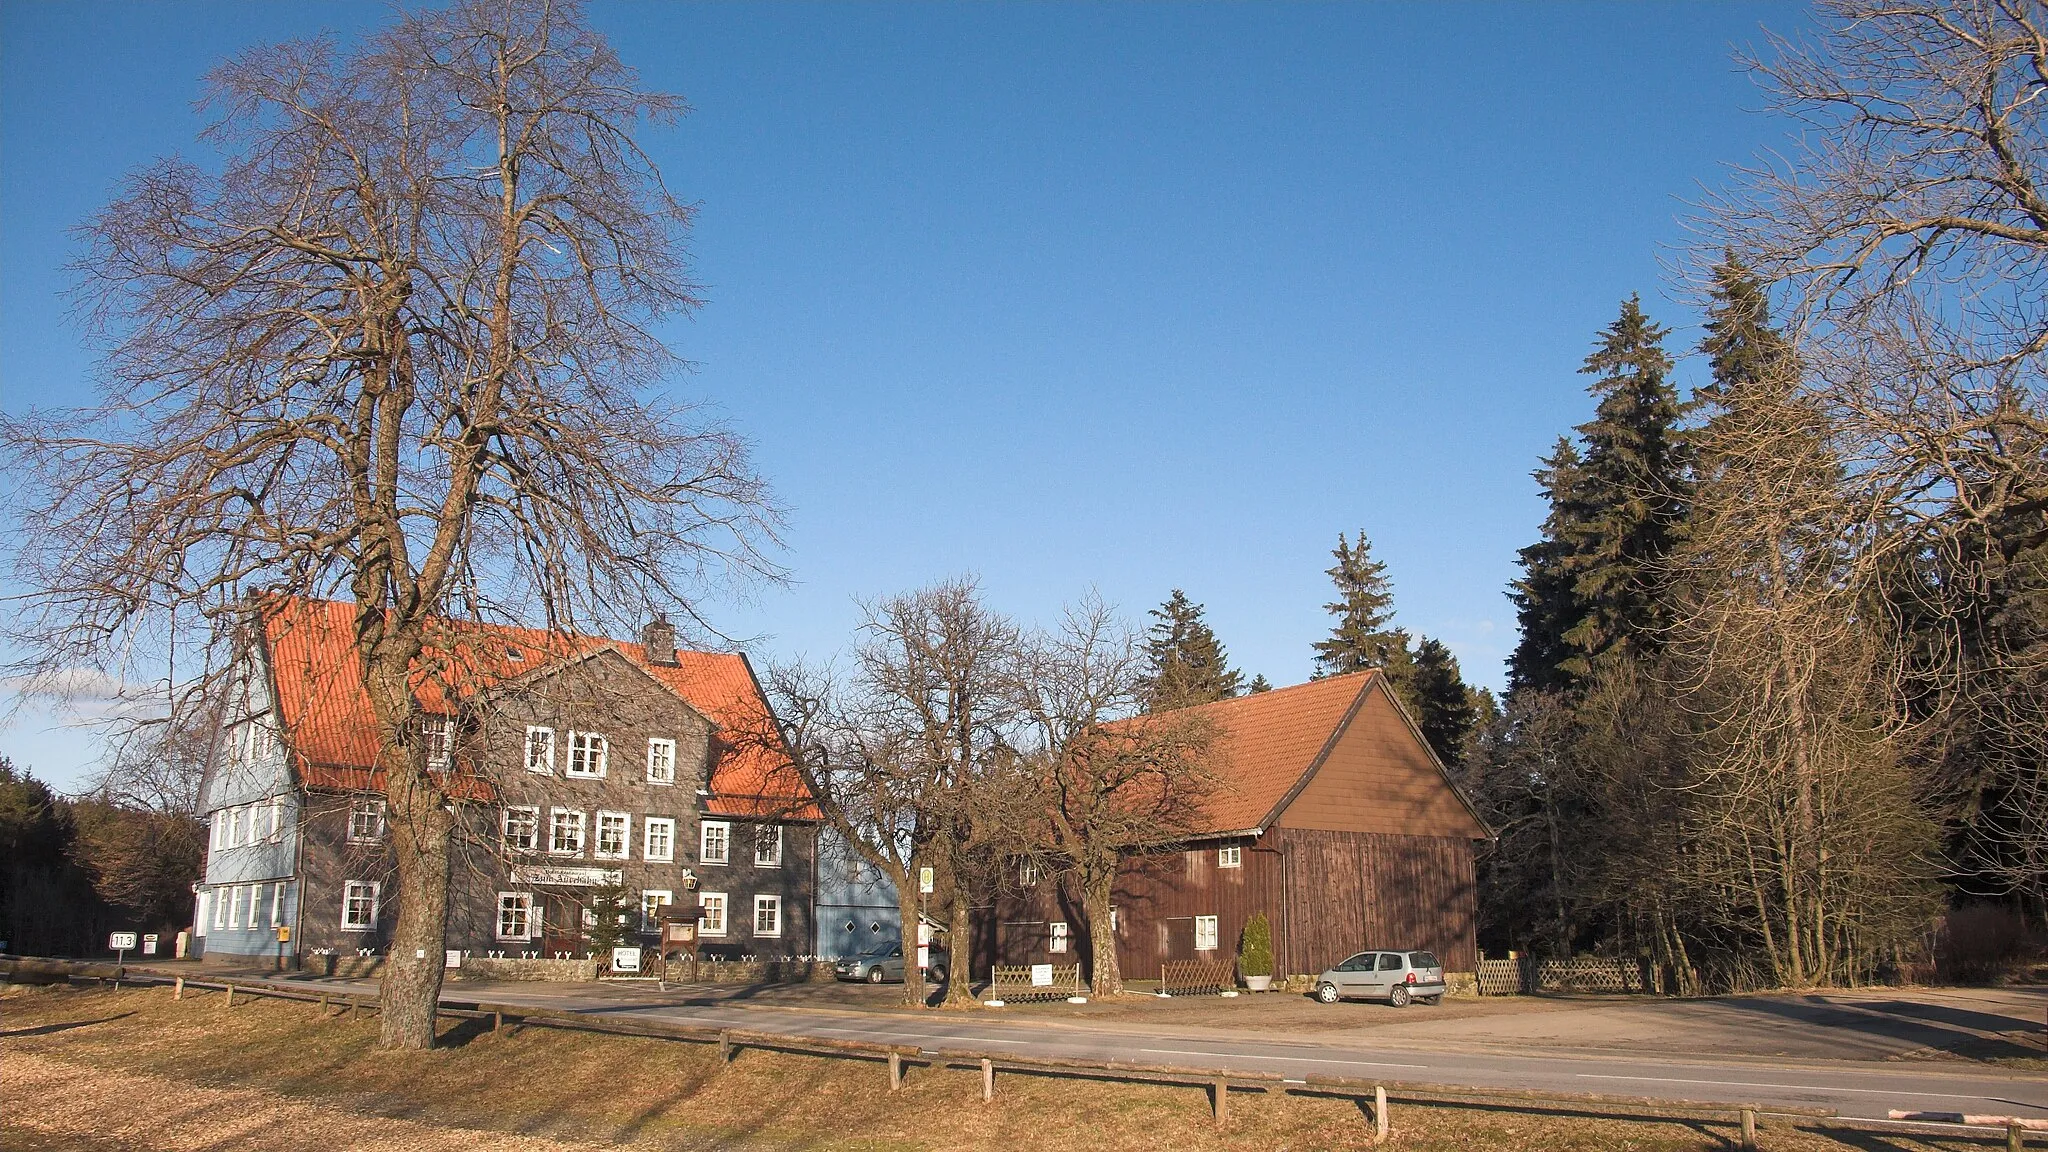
(1217, 1085)
(1527, 975)
(1197, 977)
(1016, 983)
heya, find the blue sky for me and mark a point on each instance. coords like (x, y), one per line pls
(1125, 296)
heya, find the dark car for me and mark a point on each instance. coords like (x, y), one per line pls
(883, 964)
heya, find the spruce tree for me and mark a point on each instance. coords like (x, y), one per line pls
(1259, 684)
(1361, 638)
(1445, 709)
(1636, 489)
(1188, 663)
(1546, 598)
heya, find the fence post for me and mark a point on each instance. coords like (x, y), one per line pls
(1379, 1112)
(230, 1002)
(1749, 1127)
(1222, 1092)
(724, 1046)
(178, 989)
(988, 1080)
(323, 1005)
(497, 1021)
(2015, 1136)
(895, 1071)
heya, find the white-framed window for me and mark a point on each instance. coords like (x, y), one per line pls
(276, 818)
(365, 821)
(540, 750)
(522, 827)
(277, 904)
(220, 906)
(1231, 857)
(565, 832)
(515, 915)
(714, 842)
(712, 923)
(219, 838)
(661, 760)
(767, 915)
(436, 734)
(235, 826)
(359, 906)
(614, 836)
(586, 754)
(652, 901)
(235, 906)
(658, 840)
(768, 845)
(1057, 941)
(1027, 873)
(202, 911)
(1205, 933)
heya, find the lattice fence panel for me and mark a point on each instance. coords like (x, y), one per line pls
(1014, 983)
(1588, 976)
(1197, 977)
(1500, 977)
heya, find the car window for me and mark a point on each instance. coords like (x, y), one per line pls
(1390, 962)
(1424, 960)
(1359, 963)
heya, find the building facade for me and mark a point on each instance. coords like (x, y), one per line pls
(577, 764)
(1334, 819)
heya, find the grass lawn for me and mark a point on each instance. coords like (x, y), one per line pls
(95, 1069)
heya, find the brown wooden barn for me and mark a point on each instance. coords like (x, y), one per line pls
(1337, 821)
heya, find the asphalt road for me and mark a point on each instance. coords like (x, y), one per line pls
(1851, 1089)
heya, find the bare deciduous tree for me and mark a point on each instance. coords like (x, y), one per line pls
(1104, 780)
(396, 348)
(901, 751)
(1906, 238)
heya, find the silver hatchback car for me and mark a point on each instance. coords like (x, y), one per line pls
(884, 965)
(1396, 977)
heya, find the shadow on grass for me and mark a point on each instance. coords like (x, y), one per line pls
(46, 1029)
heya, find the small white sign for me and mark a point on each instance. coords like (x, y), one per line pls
(1041, 975)
(120, 941)
(625, 959)
(149, 945)
(453, 959)
(924, 881)
(924, 955)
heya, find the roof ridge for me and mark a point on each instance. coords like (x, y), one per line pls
(492, 626)
(1270, 692)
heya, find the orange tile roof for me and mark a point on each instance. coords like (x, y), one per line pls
(325, 709)
(1267, 742)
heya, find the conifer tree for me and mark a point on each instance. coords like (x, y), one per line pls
(1188, 665)
(1361, 638)
(1259, 684)
(1546, 598)
(1635, 491)
(1444, 706)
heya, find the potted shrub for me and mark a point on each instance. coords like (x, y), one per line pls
(1255, 953)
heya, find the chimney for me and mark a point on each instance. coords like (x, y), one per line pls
(659, 638)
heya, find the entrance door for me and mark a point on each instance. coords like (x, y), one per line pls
(1180, 937)
(561, 925)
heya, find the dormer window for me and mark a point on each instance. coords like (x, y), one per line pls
(514, 654)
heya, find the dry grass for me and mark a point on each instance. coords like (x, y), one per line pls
(135, 1069)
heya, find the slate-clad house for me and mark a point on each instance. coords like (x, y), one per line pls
(576, 760)
(856, 902)
(1336, 820)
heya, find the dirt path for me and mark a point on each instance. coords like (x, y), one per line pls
(76, 1106)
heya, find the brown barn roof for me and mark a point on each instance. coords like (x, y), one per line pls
(326, 712)
(1269, 743)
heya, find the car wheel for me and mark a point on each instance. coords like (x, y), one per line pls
(1327, 993)
(875, 975)
(1399, 996)
(935, 975)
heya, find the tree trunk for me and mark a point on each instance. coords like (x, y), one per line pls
(960, 933)
(421, 825)
(1105, 975)
(908, 902)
